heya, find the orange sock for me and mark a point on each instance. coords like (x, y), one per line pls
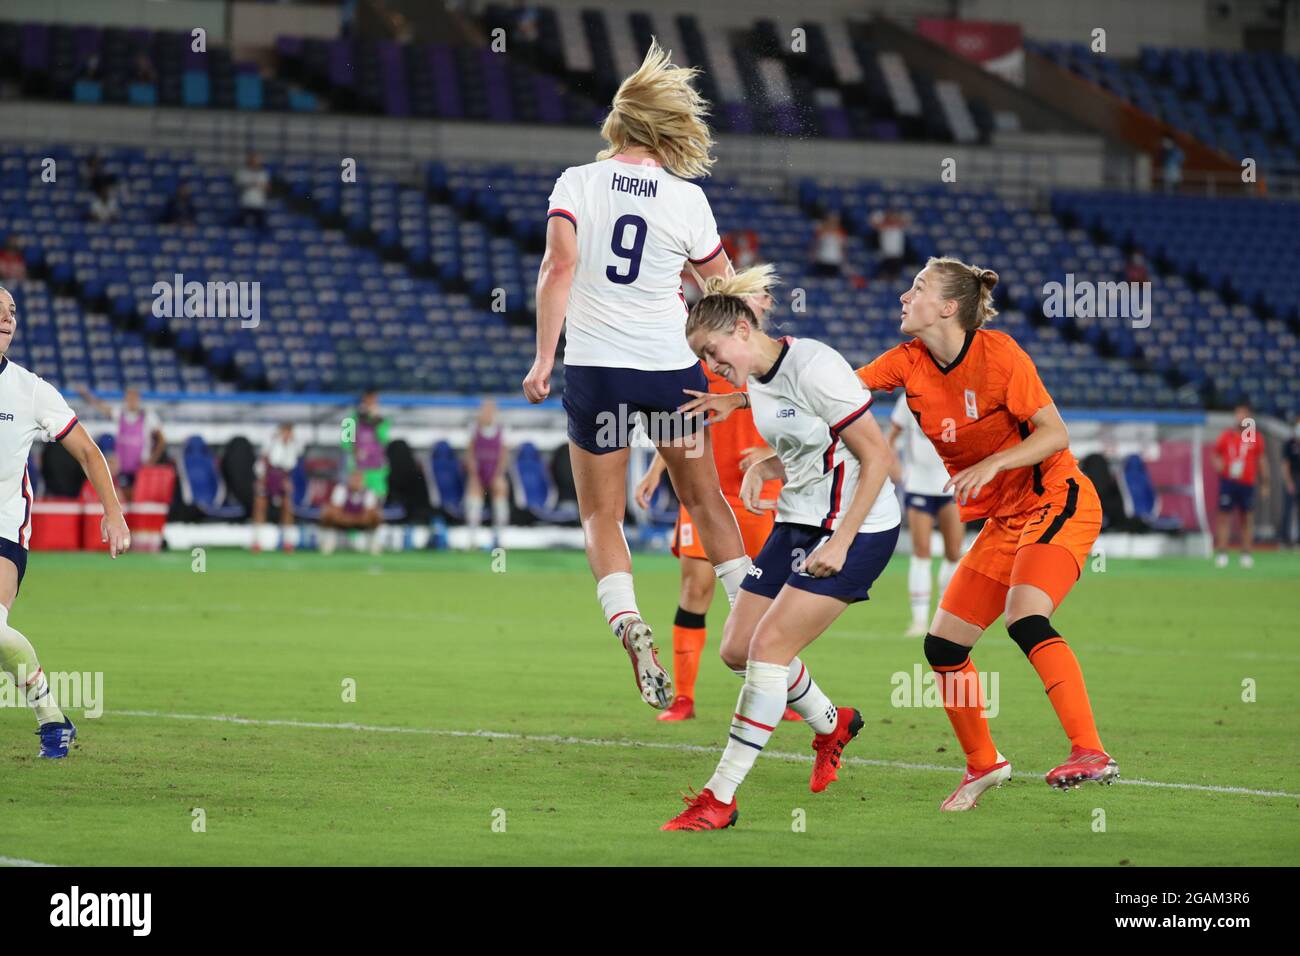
(1059, 671)
(688, 645)
(963, 701)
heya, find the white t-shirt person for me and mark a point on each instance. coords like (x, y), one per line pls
(801, 405)
(925, 473)
(636, 226)
(30, 408)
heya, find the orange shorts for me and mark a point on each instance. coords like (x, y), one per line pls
(1045, 547)
(754, 530)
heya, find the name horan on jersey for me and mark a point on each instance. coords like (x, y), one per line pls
(78, 690)
(635, 186)
(208, 300)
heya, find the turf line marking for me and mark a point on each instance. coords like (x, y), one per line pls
(650, 744)
(14, 861)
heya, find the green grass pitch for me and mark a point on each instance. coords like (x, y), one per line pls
(495, 722)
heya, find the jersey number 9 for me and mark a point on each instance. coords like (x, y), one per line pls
(631, 253)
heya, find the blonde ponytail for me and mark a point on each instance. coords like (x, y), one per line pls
(970, 286)
(726, 299)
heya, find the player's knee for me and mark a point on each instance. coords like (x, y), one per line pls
(734, 649)
(1029, 632)
(941, 652)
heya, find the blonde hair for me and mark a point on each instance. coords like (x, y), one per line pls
(658, 108)
(724, 301)
(970, 286)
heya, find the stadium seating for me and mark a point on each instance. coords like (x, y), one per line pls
(201, 484)
(535, 491)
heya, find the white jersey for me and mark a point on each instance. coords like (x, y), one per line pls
(637, 225)
(30, 408)
(800, 407)
(283, 454)
(924, 472)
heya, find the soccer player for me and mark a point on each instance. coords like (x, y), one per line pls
(140, 439)
(736, 443)
(926, 501)
(837, 522)
(274, 483)
(352, 506)
(365, 448)
(619, 232)
(1239, 460)
(486, 470)
(37, 409)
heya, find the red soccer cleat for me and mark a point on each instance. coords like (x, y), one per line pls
(974, 783)
(287, 547)
(791, 714)
(704, 811)
(1083, 765)
(682, 708)
(830, 746)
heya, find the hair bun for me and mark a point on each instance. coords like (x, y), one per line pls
(988, 278)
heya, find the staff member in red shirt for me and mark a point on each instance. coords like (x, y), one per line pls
(1238, 458)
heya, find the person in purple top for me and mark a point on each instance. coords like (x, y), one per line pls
(139, 439)
(485, 468)
(351, 507)
(365, 450)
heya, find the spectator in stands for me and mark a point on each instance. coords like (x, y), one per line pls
(274, 483)
(13, 267)
(1238, 458)
(139, 439)
(180, 210)
(485, 469)
(891, 238)
(742, 247)
(142, 70)
(828, 250)
(103, 206)
(95, 176)
(1136, 270)
(254, 184)
(1290, 535)
(1171, 164)
(365, 444)
(351, 507)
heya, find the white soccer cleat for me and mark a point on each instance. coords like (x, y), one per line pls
(916, 629)
(1221, 561)
(1247, 561)
(651, 679)
(973, 785)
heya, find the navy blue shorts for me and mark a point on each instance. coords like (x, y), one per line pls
(788, 547)
(16, 553)
(1235, 495)
(930, 504)
(602, 404)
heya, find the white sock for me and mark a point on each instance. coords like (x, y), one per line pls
(731, 574)
(808, 701)
(473, 516)
(500, 513)
(758, 711)
(374, 542)
(617, 599)
(18, 660)
(946, 570)
(329, 539)
(918, 588)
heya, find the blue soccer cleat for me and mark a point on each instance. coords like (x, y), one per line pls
(57, 738)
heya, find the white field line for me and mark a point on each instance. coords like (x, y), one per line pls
(15, 861)
(652, 745)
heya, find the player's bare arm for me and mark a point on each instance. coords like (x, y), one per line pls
(712, 406)
(1049, 436)
(751, 486)
(113, 526)
(645, 488)
(867, 443)
(554, 280)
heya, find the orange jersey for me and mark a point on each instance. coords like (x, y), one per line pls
(730, 439)
(977, 406)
